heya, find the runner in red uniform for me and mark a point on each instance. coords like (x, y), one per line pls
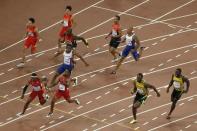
(37, 90)
(63, 90)
(32, 37)
(67, 23)
(115, 35)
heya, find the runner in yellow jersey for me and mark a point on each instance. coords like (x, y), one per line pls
(177, 81)
(141, 89)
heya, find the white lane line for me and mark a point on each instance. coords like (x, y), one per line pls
(137, 128)
(10, 118)
(188, 126)
(161, 64)
(172, 11)
(43, 126)
(79, 107)
(125, 83)
(51, 72)
(169, 60)
(94, 125)
(186, 51)
(29, 108)
(1, 123)
(14, 91)
(188, 26)
(171, 26)
(10, 69)
(195, 47)
(51, 122)
(83, 80)
(181, 104)
(163, 105)
(101, 71)
(60, 117)
(113, 17)
(105, 45)
(145, 123)
(178, 55)
(195, 22)
(107, 92)
(39, 55)
(193, 72)
(85, 129)
(28, 60)
(163, 39)
(97, 49)
(98, 97)
(48, 27)
(89, 102)
(121, 110)
(116, 88)
(190, 99)
(2, 73)
(180, 30)
(112, 115)
(155, 128)
(82, 94)
(130, 106)
(151, 69)
(146, 48)
(5, 96)
(195, 122)
(103, 120)
(37, 104)
(164, 113)
(183, 16)
(154, 43)
(70, 112)
(155, 118)
(93, 75)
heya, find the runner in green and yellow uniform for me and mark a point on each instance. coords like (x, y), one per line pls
(141, 89)
(177, 81)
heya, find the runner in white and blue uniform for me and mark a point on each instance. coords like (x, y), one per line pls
(132, 46)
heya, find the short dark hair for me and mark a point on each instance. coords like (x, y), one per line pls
(34, 74)
(68, 7)
(118, 17)
(32, 19)
(179, 69)
(140, 74)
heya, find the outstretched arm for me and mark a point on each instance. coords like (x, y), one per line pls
(77, 38)
(170, 84)
(24, 90)
(137, 42)
(186, 80)
(152, 87)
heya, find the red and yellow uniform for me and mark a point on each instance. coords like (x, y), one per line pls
(67, 23)
(37, 90)
(32, 38)
(63, 90)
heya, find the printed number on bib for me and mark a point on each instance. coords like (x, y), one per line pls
(36, 88)
(65, 23)
(62, 87)
(140, 91)
(114, 33)
(176, 84)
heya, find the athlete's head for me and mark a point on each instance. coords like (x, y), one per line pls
(68, 9)
(66, 73)
(130, 30)
(34, 76)
(68, 48)
(31, 20)
(178, 72)
(116, 19)
(139, 77)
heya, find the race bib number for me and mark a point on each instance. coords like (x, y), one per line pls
(140, 91)
(62, 87)
(176, 84)
(67, 61)
(65, 23)
(114, 33)
(36, 88)
(30, 34)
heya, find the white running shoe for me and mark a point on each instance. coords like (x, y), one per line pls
(77, 102)
(75, 81)
(20, 65)
(47, 97)
(115, 59)
(49, 115)
(133, 121)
